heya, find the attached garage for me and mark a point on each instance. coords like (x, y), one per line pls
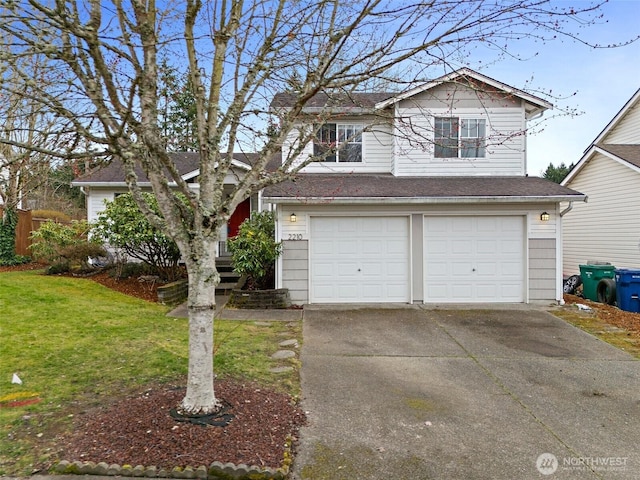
(359, 259)
(474, 259)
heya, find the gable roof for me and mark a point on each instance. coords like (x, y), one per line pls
(361, 102)
(187, 163)
(354, 102)
(364, 188)
(635, 98)
(534, 105)
(626, 154)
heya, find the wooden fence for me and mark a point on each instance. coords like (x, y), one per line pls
(26, 224)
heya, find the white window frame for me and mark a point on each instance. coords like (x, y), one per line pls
(343, 139)
(464, 141)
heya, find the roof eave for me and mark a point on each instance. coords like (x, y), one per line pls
(541, 104)
(621, 113)
(586, 158)
(426, 200)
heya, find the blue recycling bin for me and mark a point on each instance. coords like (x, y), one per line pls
(628, 289)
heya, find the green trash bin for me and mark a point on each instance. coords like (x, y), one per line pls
(591, 275)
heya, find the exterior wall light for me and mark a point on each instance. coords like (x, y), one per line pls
(293, 218)
(544, 216)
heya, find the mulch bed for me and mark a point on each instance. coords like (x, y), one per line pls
(140, 431)
(630, 321)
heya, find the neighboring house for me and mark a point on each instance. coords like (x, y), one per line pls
(607, 228)
(107, 183)
(426, 199)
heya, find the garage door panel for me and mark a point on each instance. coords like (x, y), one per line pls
(370, 269)
(511, 247)
(368, 258)
(486, 265)
(372, 247)
(459, 292)
(436, 246)
(486, 269)
(396, 270)
(511, 269)
(461, 247)
(459, 226)
(488, 247)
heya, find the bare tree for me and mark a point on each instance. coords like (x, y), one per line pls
(238, 55)
(23, 122)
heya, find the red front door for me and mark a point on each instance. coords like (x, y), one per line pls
(241, 213)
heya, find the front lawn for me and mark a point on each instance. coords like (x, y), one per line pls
(76, 344)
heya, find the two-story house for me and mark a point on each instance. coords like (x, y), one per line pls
(423, 197)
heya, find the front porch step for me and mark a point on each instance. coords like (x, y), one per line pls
(225, 288)
(228, 278)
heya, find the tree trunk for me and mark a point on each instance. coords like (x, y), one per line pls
(200, 398)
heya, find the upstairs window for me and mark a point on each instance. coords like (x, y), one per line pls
(343, 142)
(459, 138)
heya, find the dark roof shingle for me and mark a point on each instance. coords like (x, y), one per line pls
(186, 162)
(338, 186)
(628, 153)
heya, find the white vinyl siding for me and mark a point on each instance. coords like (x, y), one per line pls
(504, 154)
(627, 131)
(607, 227)
(376, 151)
(96, 199)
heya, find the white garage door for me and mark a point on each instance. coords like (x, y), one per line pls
(474, 259)
(359, 259)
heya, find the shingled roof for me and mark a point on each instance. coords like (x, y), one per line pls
(628, 153)
(343, 101)
(355, 187)
(186, 163)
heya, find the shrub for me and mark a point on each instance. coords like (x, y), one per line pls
(133, 269)
(60, 243)
(123, 226)
(254, 250)
(79, 254)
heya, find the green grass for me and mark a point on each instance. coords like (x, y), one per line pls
(620, 338)
(75, 344)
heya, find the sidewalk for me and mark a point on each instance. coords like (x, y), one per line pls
(223, 312)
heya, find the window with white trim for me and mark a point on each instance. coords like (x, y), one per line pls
(459, 138)
(339, 142)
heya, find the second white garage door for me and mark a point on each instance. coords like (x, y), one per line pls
(474, 259)
(359, 259)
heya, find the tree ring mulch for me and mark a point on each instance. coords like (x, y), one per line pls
(140, 430)
(221, 418)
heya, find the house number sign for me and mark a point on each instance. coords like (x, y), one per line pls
(295, 236)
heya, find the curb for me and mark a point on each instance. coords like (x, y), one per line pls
(216, 471)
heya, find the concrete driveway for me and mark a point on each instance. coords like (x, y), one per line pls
(415, 393)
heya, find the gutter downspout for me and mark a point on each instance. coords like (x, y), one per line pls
(566, 210)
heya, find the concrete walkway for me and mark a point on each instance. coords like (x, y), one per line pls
(236, 314)
(410, 393)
